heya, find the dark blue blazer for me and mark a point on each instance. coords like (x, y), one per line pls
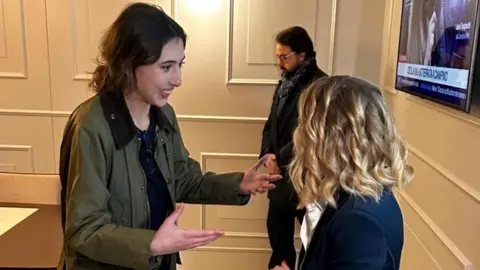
(360, 234)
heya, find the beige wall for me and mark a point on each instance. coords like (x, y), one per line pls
(442, 206)
(228, 83)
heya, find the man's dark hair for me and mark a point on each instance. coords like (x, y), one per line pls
(297, 39)
(135, 38)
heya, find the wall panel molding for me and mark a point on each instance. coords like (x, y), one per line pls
(386, 46)
(234, 249)
(251, 235)
(331, 45)
(8, 167)
(229, 78)
(452, 248)
(181, 117)
(18, 75)
(432, 258)
(204, 156)
(456, 114)
(28, 149)
(462, 185)
(42, 113)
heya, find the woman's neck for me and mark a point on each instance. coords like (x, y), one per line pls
(139, 110)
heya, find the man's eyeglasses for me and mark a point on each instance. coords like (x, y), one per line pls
(284, 57)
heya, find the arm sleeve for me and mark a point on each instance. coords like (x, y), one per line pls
(285, 156)
(266, 134)
(89, 228)
(266, 144)
(358, 243)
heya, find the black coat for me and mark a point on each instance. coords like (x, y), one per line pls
(278, 131)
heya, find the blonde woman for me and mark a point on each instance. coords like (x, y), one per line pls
(348, 160)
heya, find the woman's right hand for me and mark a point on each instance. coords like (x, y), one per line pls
(171, 239)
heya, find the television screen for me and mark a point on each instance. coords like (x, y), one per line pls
(436, 50)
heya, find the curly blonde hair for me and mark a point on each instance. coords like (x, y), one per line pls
(346, 139)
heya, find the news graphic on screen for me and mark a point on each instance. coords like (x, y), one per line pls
(435, 50)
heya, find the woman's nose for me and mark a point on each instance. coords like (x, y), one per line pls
(176, 80)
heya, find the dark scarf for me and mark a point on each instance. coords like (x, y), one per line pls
(291, 80)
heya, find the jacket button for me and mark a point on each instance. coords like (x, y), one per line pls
(143, 188)
(112, 116)
(168, 181)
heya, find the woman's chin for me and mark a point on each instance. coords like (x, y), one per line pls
(161, 102)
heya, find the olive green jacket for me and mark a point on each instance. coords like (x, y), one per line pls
(105, 208)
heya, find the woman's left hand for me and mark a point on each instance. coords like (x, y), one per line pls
(254, 181)
(284, 266)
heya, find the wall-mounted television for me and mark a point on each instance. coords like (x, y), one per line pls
(437, 49)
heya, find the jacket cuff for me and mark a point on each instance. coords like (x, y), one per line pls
(242, 199)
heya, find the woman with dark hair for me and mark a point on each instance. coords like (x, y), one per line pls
(123, 164)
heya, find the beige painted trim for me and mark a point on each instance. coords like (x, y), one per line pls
(228, 119)
(234, 249)
(41, 113)
(331, 45)
(229, 76)
(13, 75)
(251, 235)
(204, 156)
(437, 231)
(462, 185)
(24, 74)
(389, 91)
(462, 116)
(20, 148)
(230, 8)
(184, 117)
(240, 81)
(82, 77)
(173, 8)
(386, 46)
(422, 245)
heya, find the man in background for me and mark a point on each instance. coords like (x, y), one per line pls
(296, 59)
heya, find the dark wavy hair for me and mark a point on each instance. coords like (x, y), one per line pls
(297, 38)
(135, 38)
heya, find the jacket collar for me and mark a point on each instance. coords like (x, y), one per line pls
(120, 121)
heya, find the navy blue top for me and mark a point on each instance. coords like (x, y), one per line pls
(156, 188)
(360, 234)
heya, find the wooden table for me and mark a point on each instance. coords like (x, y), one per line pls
(35, 242)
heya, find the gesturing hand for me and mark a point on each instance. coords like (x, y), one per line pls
(170, 238)
(284, 266)
(271, 164)
(253, 181)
